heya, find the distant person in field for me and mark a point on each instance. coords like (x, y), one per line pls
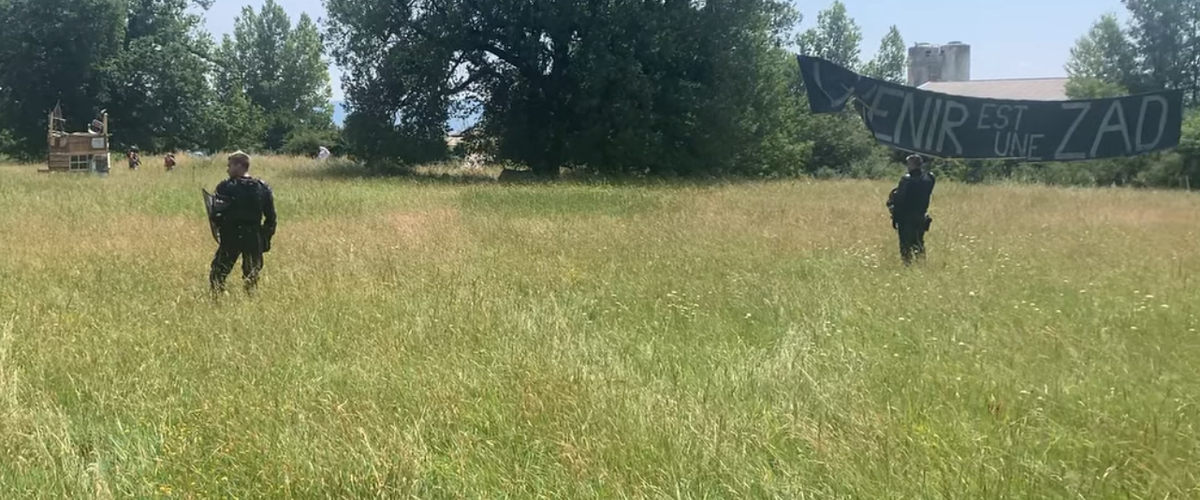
(169, 162)
(135, 159)
(245, 218)
(909, 205)
(323, 153)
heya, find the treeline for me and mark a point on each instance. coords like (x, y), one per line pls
(621, 87)
(166, 84)
(665, 87)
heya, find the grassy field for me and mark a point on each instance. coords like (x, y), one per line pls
(449, 339)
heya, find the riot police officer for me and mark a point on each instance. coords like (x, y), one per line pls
(244, 214)
(909, 205)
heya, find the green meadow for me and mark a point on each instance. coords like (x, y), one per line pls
(445, 336)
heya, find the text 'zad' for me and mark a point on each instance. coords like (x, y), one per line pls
(950, 126)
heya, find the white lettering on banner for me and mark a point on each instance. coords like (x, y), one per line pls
(1107, 127)
(1002, 112)
(1001, 117)
(1033, 144)
(1015, 145)
(1141, 123)
(937, 112)
(873, 111)
(845, 95)
(983, 113)
(1023, 148)
(1060, 153)
(876, 111)
(916, 126)
(1020, 114)
(1020, 148)
(996, 148)
(948, 126)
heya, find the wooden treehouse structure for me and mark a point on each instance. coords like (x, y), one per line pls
(78, 152)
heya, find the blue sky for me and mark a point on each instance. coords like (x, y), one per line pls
(1009, 39)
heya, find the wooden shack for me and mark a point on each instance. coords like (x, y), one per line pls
(78, 151)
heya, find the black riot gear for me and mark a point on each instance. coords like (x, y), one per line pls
(909, 206)
(244, 213)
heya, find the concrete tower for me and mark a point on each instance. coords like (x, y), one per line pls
(924, 64)
(939, 63)
(956, 65)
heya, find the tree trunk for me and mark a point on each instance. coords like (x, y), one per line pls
(545, 166)
(550, 131)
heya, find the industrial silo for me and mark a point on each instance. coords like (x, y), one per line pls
(956, 65)
(924, 64)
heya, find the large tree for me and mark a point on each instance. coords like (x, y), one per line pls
(145, 61)
(54, 51)
(1167, 37)
(1103, 62)
(235, 122)
(280, 69)
(836, 37)
(891, 62)
(157, 86)
(660, 85)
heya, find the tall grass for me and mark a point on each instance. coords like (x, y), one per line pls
(447, 339)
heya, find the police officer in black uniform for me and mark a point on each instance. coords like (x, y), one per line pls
(244, 213)
(909, 205)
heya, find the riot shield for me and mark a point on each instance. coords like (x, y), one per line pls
(210, 209)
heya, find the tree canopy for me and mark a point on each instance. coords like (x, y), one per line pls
(1103, 62)
(891, 62)
(619, 86)
(163, 81)
(836, 37)
(280, 70)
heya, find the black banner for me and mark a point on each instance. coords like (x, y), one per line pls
(950, 126)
